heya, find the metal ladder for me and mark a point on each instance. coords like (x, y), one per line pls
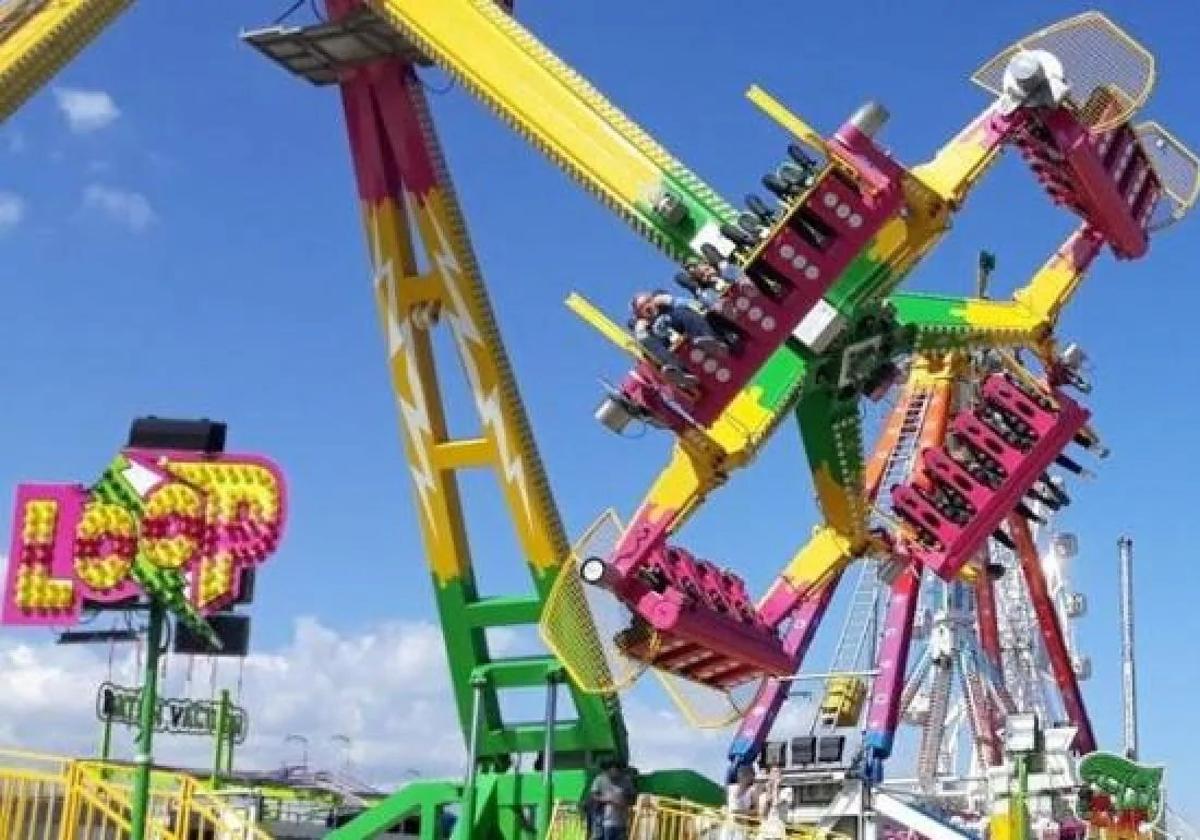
(861, 620)
(901, 460)
(862, 617)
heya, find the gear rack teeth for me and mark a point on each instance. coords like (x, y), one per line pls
(670, 168)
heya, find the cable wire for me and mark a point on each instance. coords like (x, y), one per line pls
(287, 13)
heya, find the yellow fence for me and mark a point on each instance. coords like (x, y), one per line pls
(659, 818)
(53, 798)
(567, 823)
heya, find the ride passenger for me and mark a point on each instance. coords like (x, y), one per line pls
(668, 315)
(658, 350)
(613, 795)
(742, 804)
(704, 282)
(709, 286)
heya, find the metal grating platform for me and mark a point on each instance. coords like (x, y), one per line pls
(321, 52)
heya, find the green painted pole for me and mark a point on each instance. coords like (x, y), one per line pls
(467, 813)
(105, 747)
(222, 725)
(106, 741)
(546, 806)
(1020, 810)
(144, 759)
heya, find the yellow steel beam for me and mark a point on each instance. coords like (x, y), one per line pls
(779, 112)
(38, 38)
(546, 101)
(604, 325)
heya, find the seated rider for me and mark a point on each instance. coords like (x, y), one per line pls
(656, 320)
(709, 285)
(660, 352)
(670, 316)
(704, 281)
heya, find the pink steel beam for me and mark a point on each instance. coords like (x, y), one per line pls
(883, 714)
(1052, 634)
(985, 611)
(757, 723)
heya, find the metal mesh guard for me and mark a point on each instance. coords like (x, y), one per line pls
(580, 622)
(704, 707)
(1095, 54)
(1177, 168)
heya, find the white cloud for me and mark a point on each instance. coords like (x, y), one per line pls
(126, 207)
(12, 210)
(387, 689)
(86, 110)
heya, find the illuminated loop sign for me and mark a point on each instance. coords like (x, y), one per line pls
(117, 704)
(178, 526)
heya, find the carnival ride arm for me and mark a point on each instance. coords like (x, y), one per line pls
(566, 118)
(1028, 320)
(38, 37)
(702, 458)
(700, 464)
(803, 591)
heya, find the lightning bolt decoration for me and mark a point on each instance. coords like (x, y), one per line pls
(408, 203)
(401, 349)
(418, 210)
(471, 348)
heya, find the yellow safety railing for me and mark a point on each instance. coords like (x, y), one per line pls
(567, 822)
(32, 791)
(1176, 165)
(659, 818)
(705, 707)
(54, 798)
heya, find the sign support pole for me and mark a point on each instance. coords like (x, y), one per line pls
(545, 811)
(106, 740)
(144, 759)
(223, 730)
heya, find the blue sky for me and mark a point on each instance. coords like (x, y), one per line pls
(200, 254)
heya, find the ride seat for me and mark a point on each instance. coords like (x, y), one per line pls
(952, 509)
(1105, 177)
(705, 628)
(817, 237)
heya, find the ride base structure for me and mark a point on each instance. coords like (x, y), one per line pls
(810, 291)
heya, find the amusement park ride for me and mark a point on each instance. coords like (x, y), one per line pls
(939, 516)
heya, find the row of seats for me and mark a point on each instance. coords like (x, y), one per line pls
(784, 260)
(996, 454)
(705, 627)
(1105, 177)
